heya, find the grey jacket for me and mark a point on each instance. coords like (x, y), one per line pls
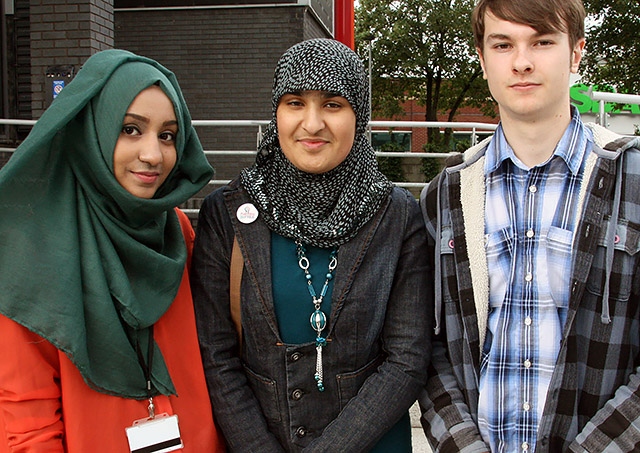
(593, 402)
(265, 399)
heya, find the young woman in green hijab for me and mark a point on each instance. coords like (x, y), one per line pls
(96, 318)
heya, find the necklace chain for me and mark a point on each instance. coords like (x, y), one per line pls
(318, 318)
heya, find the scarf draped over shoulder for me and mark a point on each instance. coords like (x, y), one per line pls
(85, 264)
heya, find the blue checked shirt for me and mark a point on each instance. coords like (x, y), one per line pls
(530, 221)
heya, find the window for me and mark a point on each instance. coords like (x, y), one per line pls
(391, 141)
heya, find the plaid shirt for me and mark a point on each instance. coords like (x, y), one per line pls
(530, 220)
(593, 399)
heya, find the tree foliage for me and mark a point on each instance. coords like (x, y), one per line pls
(612, 54)
(422, 50)
(391, 167)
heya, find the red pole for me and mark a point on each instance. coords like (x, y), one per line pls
(344, 22)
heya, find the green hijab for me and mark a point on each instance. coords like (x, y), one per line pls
(85, 264)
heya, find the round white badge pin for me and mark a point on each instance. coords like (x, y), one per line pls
(247, 213)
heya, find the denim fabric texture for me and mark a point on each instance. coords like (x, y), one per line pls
(264, 397)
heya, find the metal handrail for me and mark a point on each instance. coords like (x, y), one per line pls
(471, 127)
(245, 123)
(603, 97)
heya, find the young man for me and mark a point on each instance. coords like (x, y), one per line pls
(535, 234)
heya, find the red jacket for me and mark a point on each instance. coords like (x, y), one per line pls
(47, 407)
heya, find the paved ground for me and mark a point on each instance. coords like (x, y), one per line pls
(420, 444)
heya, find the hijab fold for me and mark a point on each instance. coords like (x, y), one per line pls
(328, 209)
(85, 264)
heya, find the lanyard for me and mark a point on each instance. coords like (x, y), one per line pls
(146, 368)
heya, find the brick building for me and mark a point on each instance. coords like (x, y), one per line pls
(413, 111)
(223, 53)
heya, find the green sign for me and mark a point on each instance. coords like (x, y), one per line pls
(580, 98)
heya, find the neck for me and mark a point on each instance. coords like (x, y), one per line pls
(533, 141)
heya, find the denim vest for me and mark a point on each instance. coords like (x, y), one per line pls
(378, 333)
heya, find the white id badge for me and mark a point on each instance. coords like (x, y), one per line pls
(156, 435)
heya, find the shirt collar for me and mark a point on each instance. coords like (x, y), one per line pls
(571, 147)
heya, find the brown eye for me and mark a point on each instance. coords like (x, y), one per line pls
(130, 130)
(168, 136)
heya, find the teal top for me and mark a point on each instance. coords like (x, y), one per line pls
(293, 303)
(293, 307)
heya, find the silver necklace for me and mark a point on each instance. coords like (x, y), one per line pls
(318, 318)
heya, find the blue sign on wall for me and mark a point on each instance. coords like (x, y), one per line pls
(58, 85)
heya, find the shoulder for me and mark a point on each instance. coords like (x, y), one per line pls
(602, 136)
(402, 195)
(185, 225)
(403, 210)
(183, 218)
(220, 209)
(429, 202)
(471, 155)
(401, 199)
(614, 147)
(613, 144)
(187, 231)
(433, 198)
(218, 196)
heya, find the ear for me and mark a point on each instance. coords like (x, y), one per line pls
(576, 55)
(481, 57)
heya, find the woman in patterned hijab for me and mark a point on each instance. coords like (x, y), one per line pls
(333, 344)
(324, 209)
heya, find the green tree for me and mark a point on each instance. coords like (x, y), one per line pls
(612, 55)
(391, 167)
(422, 50)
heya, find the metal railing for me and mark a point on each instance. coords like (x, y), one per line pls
(603, 97)
(470, 128)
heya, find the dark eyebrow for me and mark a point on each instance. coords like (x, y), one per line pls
(498, 36)
(144, 119)
(325, 94)
(502, 36)
(137, 117)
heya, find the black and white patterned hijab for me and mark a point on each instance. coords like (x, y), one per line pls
(328, 209)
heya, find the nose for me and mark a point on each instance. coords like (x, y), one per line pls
(522, 63)
(150, 151)
(313, 120)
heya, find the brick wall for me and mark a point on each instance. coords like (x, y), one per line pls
(65, 33)
(4, 158)
(223, 57)
(224, 60)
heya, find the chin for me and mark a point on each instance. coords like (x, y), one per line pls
(315, 169)
(142, 193)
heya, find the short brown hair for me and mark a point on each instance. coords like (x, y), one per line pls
(544, 16)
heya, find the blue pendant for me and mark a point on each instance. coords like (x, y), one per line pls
(318, 320)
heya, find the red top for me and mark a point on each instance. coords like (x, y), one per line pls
(47, 406)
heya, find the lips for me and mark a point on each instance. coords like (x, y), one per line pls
(313, 143)
(147, 177)
(524, 85)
